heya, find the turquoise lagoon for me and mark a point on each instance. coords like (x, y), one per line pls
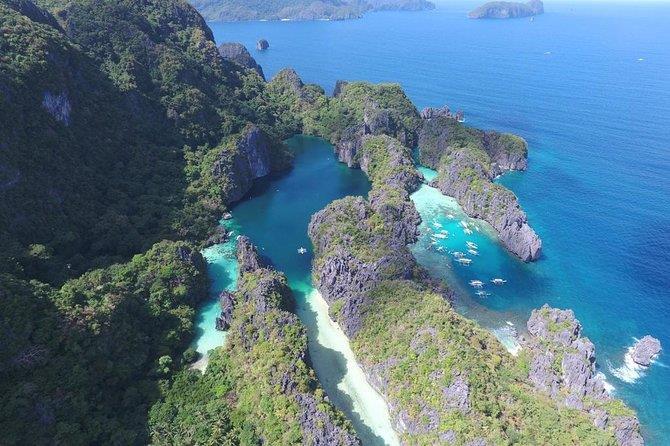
(275, 216)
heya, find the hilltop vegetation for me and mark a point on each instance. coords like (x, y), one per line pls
(80, 364)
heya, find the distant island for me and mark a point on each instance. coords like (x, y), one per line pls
(239, 10)
(507, 10)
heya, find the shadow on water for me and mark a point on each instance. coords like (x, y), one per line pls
(331, 368)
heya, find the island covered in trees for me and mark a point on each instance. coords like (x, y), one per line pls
(235, 10)
(507, 10)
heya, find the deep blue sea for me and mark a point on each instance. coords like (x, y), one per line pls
(588, 86)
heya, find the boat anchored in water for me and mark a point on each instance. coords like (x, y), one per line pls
(498, 281)
(472, 245)
(476, 283)
(301, 250)
(464, 261)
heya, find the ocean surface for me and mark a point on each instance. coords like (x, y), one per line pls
(588, 86)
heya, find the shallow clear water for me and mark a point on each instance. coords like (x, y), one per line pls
(588, 85)
(275, 216)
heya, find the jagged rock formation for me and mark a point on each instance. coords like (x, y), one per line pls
(441, 375)
(507, 10)
(563, 366)
(238, 53)
(262, 45)
(233, 10)
(441, 112)
(468, 160)
(227, 304)
(240, 163)
(262, 325)
(367, 110)
(645, 350)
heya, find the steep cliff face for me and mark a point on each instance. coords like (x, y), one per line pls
(268, 348)
(507, 10)
(563, 366)
(238, 53)
(467, 161)
(240, 163)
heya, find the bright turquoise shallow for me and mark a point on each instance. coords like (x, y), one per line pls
(597, 119)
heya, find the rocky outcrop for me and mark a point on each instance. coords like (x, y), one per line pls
(227, 304)
(289, 79)
(563, 366)
(262, 45)
(376, 121)
(239, 164)
(507, 10)
(58, 106)
(345, 271)
(261, 316)
(645, 350)
(339, 87)
(468, 160)
(441, 112)
(238, 53)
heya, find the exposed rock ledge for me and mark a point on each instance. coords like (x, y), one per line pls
(563, 366)
(468, 160)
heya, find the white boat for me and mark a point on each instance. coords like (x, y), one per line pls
(467, 231)
(464, 224)
(476, 283)
(482, 293)
(474, 252)
(440, 235)
(472, 245)
(440, 249)
(498, 281)
(458, 254)
(464, 261)
(301, 250)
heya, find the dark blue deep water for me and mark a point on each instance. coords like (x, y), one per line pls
(588, 86)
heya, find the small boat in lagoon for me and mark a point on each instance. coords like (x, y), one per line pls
(474, 252)
(301, 250)
(476, 283)
(458, 254)
(498, 281)
(464, 261)
(472, 245)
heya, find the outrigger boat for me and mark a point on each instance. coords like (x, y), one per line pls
(301, 250)
(476, 283)
(498, 281)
